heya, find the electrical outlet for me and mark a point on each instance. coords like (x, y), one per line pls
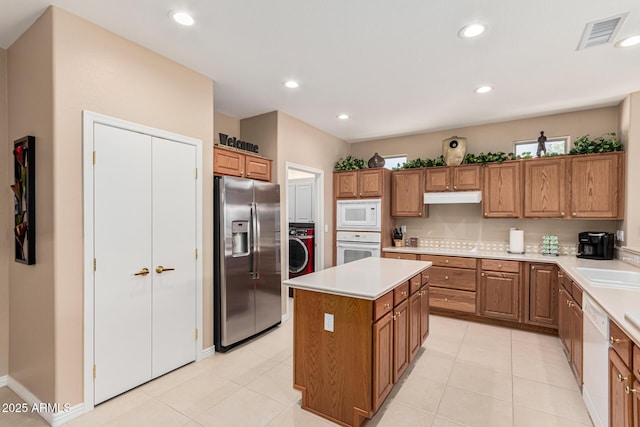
(620, 235)
(403, 228)
(326, 228)
(328, 322)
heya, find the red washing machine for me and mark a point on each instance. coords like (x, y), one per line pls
(301, 249)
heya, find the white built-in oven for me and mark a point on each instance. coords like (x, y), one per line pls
(365, 214)
(353, 245)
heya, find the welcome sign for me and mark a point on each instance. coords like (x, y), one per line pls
(236, 143)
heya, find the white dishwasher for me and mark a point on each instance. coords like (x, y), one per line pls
(595, 368)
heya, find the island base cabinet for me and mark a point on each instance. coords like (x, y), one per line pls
(333, 369)
(401, 340)
(382, 359)
(636, 404)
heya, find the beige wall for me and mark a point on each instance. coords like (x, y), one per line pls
(496, 136)
(61, 66)
(465, 221)
(98, 71)
(630, 137)
(301, 143)
(31, 287)
(6, 238)
(263, 130)
(225, 124)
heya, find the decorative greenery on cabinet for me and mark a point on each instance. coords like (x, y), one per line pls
(350, 163)
(602, 144)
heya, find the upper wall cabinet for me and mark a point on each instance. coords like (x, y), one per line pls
(453, 178)
(501, 195)
(234, 163)
(407, 194)
(597, 186)
(365, 183)
(544, 188)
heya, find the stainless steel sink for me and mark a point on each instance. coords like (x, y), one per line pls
(611, 278)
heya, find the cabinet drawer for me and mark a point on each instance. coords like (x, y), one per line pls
(448, 261)
(426, 276)
(415, 283)
(452, 299)
(400, 293)
(454, 278)
(620, 343)
(636, 361)
(398, 255)
(382, 305)
(576, 291)
(500, 265)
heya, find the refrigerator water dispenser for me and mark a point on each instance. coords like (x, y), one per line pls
(239, 238)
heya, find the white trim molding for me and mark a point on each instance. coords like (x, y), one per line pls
(89, 119)
(3, 380)
(54, 419)
(207, 352)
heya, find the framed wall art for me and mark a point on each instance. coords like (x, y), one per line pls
(24, 199)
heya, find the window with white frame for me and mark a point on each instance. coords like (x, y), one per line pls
(391, 162)
(554, 145)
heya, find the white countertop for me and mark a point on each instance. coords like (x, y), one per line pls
(616, 302)
(368, 278)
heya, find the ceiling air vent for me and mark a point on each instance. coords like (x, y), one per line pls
(601, 32)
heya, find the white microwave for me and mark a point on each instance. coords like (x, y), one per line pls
(359, 215)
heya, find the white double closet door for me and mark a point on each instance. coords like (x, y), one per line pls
(144, 218)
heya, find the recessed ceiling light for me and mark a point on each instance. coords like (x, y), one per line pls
(292, 84)
(472, 30)
(182, 17)
(484, 89)
(629, 41)
(343, 116)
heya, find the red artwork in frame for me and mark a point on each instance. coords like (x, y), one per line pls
(24, 199)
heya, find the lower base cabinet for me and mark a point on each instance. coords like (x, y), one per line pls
(620, 398)
(570, 328)
(346, 374)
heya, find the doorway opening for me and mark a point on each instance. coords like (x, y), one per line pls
(305, 211)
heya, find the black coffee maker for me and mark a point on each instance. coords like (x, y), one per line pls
(595, 245)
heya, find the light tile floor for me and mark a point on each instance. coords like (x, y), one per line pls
(467, 374)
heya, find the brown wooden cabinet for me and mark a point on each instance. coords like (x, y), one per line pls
(500, 290)
(621, 400)
(453, 178)
(424, 312)
(364, 183)
(407, 194)
(452, 282)
(382, 359)
(400, 340)
(502, 193)
(233, 163)
(258, 168)
(635, 393)
(414, 324)
(545, 193)
(400, 255)
(541, 293)
(597, 186)
(570, 326)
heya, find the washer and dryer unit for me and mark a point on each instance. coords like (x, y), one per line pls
(301, 249)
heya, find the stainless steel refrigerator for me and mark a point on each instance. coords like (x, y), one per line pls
(247, 281)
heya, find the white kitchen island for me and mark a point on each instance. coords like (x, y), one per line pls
(357, 327)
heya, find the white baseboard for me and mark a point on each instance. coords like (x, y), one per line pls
(285, 317)
(53, 418)
(207, 352)
(3, 380)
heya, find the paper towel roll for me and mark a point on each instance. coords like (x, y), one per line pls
(516, 241)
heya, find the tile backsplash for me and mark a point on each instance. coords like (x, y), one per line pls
(464, 224)
(489, 246)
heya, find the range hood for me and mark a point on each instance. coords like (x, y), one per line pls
(452, 197)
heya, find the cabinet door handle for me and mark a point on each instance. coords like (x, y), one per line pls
(446, 261)
(621, 378)
(387, 306)
(562, 213)
(485, 214)
(482, 274)
(629, 390)
(533, 267)
(574, 214)
(403, 293)
(446, 300)
(446, 277)
(613, 340)
(455, 187)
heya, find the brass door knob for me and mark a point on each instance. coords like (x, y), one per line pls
(387, 306)
(613, 340)
(629, 390)
(142, 272)
(621, 378)
(160, 269)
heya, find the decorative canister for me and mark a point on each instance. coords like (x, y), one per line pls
(453, 150)
(377, 161)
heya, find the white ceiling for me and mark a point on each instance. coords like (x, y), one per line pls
(396, 66)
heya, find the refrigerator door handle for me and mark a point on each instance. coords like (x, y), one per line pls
(255, 233)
